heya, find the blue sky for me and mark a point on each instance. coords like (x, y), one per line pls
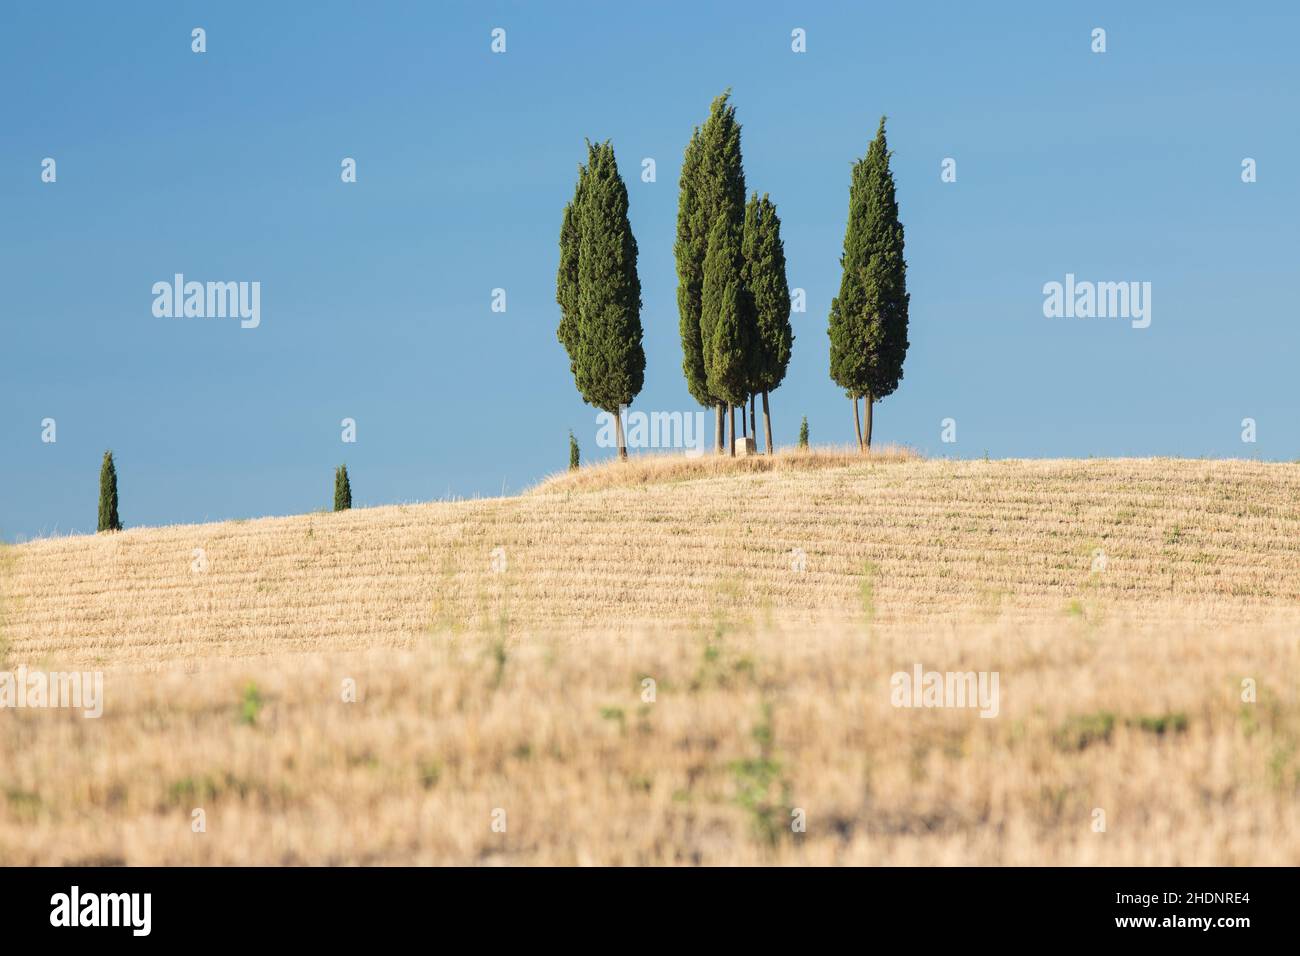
(376, 295)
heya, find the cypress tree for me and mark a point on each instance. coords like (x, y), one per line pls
(725, 327)
(765, 279)
(868, 319)
(108, 518)
(803, 432)
(574, 459)
(342, 489)
(712, 187)
(689, 251)
(599, 292)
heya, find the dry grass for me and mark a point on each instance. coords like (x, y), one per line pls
(654, 469)
(522, 690)
(1145, 724)
(1211, 541)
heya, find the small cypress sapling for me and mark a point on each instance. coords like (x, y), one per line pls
(342, 489)
(108, 518)
(574, 458)
(803, 432)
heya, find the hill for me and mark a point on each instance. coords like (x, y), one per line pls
(930, 540)
(681, 662)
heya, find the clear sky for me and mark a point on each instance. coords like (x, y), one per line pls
(376, 295)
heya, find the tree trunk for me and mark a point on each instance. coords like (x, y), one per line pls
(869, 400)
(743, 425)
(857, 421)
(753, 425)
(767, 423)
(719, 429)
(618, 428)
(731, 416)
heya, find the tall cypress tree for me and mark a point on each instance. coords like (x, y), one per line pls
(868, 319)
(712, 187)
(566, 280)
(765, 278)
(342, 489)
(725, 328)
(108, 518)
(599, 292)
(689, 250)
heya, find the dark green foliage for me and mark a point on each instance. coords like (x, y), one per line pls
(1081, 732)
(108, 518)
(574, 458)
(342, 489)
(803, 432)
(726, 325)
(597, 287)
(1160, 724)
(868, 319)
(1086, 730)
(566, 280)
(712, 189)
(689, 249)
(764, 277)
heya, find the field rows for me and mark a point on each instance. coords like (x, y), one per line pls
(931, 540)
(1161, 691)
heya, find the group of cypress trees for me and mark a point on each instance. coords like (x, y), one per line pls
(733, 298)
(598, 290)
(732, 295)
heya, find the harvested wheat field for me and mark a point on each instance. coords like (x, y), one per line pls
(676, 662)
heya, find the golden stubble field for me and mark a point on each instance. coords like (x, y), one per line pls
(675, 662)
